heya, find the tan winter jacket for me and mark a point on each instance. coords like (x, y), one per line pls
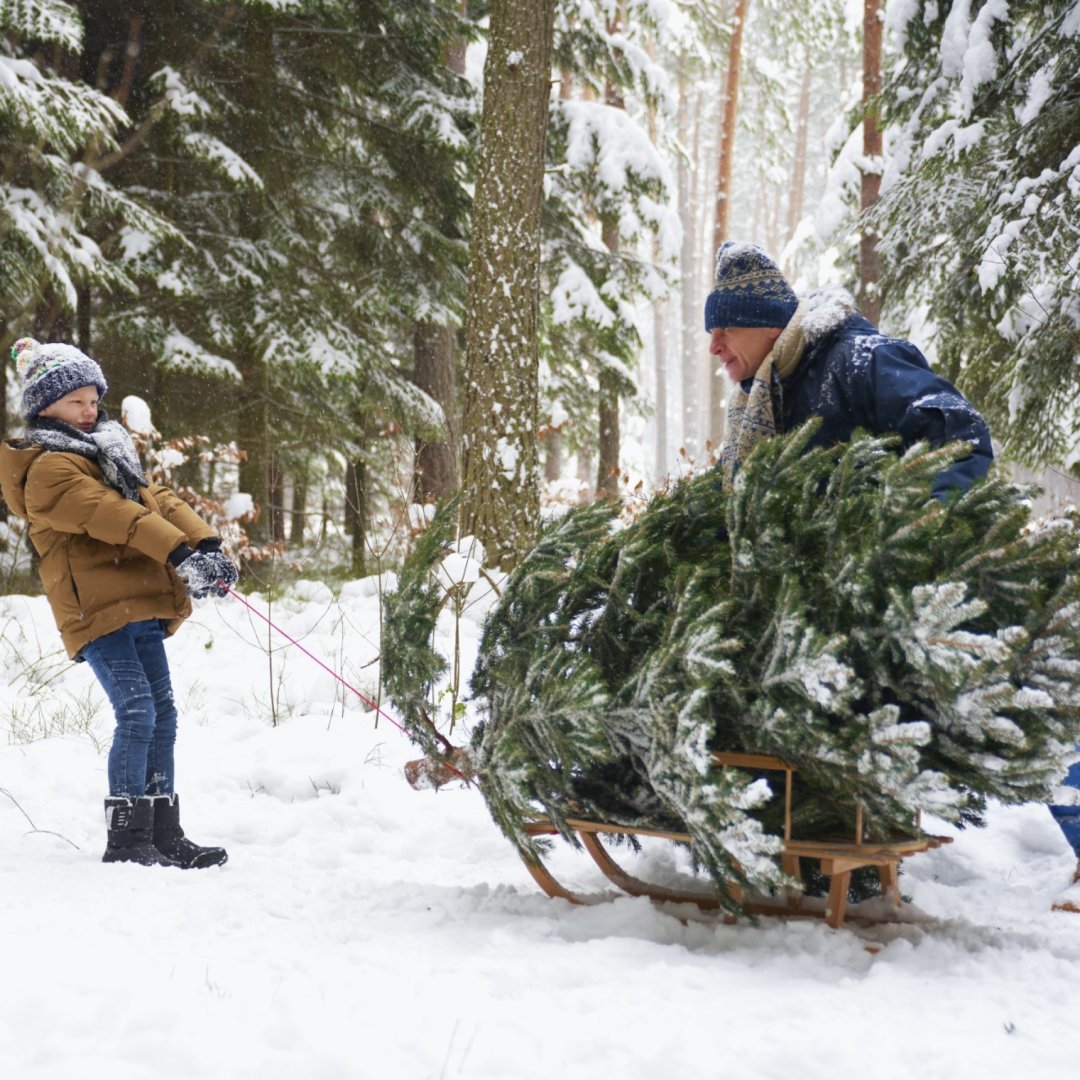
(103, 557)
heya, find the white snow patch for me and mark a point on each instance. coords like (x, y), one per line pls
(239, 505)
(363, 928)
(135, 415)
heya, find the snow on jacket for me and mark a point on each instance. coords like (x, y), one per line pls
(103, 557)
(854, 377)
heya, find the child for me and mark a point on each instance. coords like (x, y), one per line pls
(119, 559)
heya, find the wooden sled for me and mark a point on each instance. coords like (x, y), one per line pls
(838, 858)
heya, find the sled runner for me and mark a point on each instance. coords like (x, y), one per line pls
(838, 857)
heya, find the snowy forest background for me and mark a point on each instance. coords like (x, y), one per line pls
(261, 217)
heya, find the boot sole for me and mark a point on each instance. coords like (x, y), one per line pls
(204, 862)
(143, 859)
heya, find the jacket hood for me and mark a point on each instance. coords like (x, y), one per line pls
(15, 461)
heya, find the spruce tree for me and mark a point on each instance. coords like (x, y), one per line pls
(904, 654)
(608, 193)
(312, 157)
(979, 204)
(58, 205)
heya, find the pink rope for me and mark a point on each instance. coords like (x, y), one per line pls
(366, 700)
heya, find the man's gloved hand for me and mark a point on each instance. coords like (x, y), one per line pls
(206, 572)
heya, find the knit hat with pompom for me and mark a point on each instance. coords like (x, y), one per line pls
(748, 290)
(51, 371)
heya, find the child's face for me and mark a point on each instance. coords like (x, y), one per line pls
(79, 408)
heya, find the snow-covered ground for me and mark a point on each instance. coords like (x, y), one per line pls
(364, 930)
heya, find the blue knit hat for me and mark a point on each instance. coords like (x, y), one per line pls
(748, 290)
(52, 371)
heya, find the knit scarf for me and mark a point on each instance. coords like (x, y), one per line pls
(109, 446)
(751, 413)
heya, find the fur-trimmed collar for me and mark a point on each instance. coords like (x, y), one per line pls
(828, 308)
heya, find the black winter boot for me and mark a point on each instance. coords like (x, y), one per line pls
(130, 823)
(170, 840)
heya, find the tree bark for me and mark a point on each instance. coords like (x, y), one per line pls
(553, 457)
(608, 445)
(660, 364)
(585, 471)
(730, 114)
(356, 513)
(659, 313)
(718, 381)
(688, 301)
(253, 436)
(455, 53)
(298, 512)
(869, 262)
(607, 464)
(435, 357)
(501, 475)
(276, 488)
(798, 168)
(435, 372)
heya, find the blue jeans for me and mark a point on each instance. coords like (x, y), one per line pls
(1068, 817)
(131, 666)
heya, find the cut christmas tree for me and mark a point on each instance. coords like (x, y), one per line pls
(902, 653)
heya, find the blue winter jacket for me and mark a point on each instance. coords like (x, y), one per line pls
(854, 377)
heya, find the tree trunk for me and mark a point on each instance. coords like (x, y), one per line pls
(253, 436)
(688, 300)
(356, 513)
(659, 348)
(798, 168)
(869, 263)
(82, 318)
(718, 380)
(774, 236)
(730, 99)
(660, 364)
(607, 480)
(298, 513)
(553, 456)
(276, 488)
(435, 372)
(501, 469)
(585, 471)
(607, 462)
(455, 53)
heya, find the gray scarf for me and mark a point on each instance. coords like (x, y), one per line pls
(109, 446)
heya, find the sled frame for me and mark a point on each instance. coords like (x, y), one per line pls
(839, 858)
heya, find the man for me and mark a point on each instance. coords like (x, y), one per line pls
(791, 359)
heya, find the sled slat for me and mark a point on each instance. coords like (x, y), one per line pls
(636, 887)
(751, 761)
(838, 858)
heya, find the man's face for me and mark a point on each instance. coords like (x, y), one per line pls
(741, 349)
(79, 408)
